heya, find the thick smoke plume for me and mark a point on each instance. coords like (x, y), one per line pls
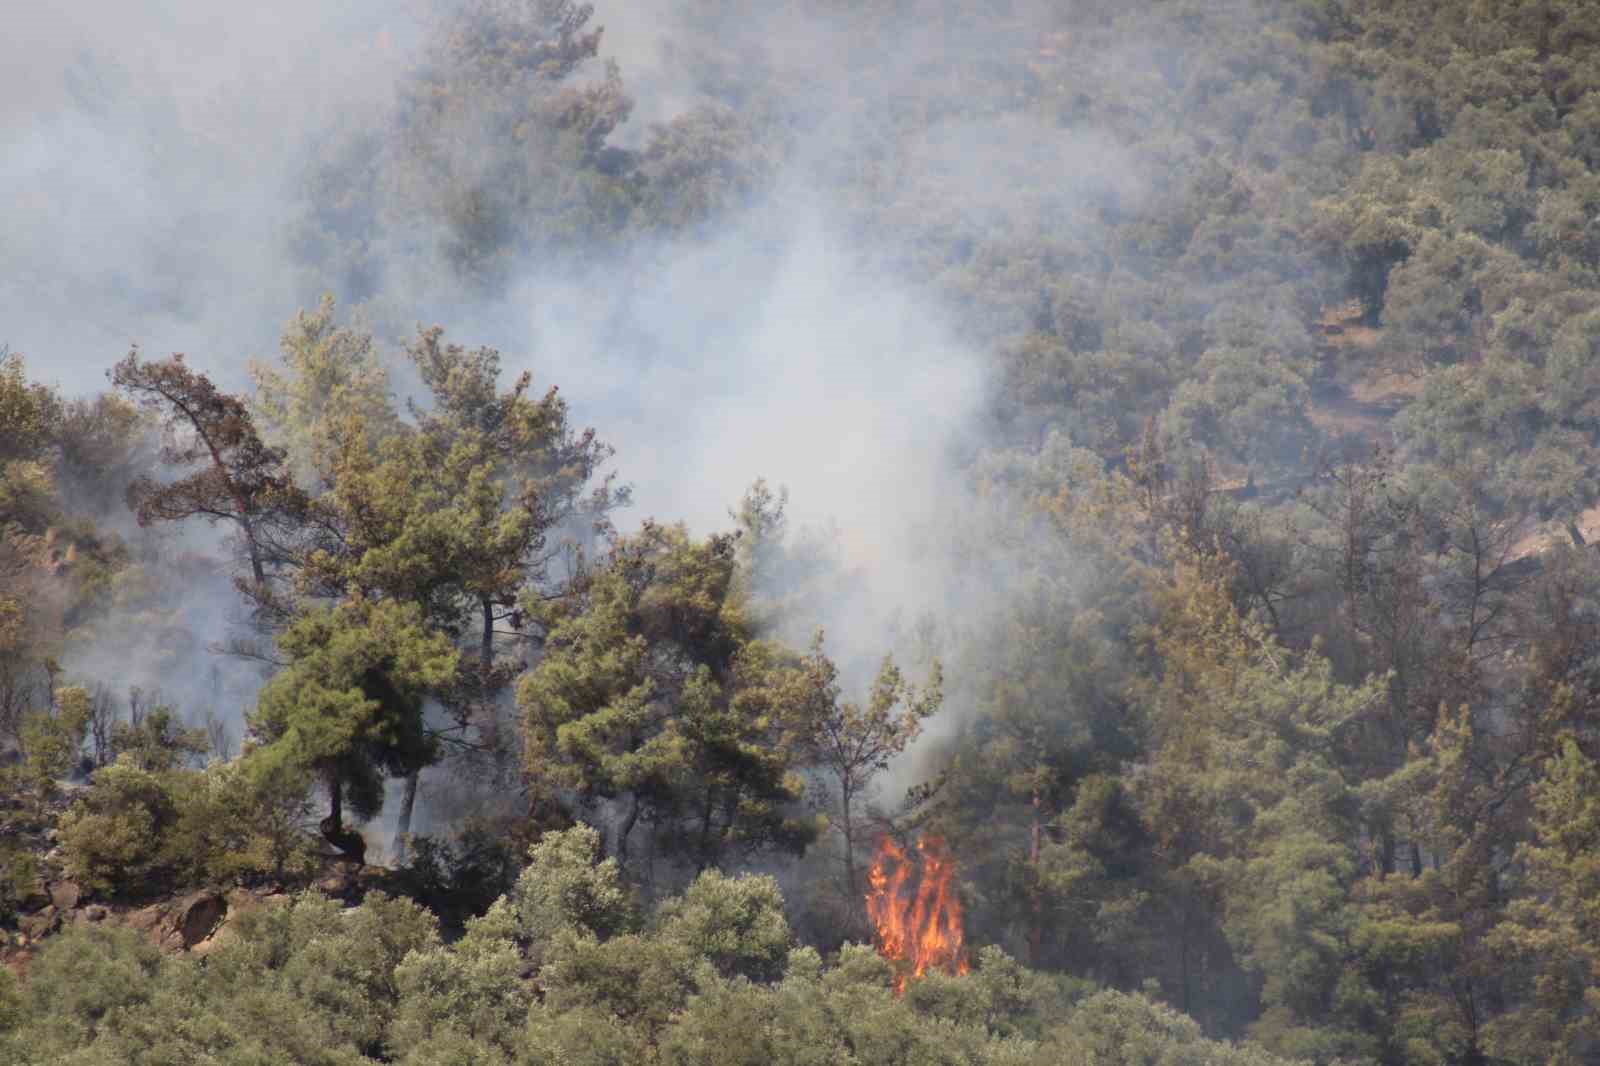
(158, 159)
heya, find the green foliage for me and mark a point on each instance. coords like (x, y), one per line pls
(112, 837)
(736, 924)
(448, 515)
(565, 891)
(1250, 404)
(852, 743)
(139, 829)
(157, 742)
(19, 880)
(328, 375)
(52, 741)
(11, 1006)
(346, 966)
(301, 983)
(1554, 934)
(473, 995)
(584, 1035)
(460, 875)
(81, 985)
(28, 411)
(1297, 733)
(1117, 1028)
(498, 82)
(349, 705)
(233, 822)
(654, 692)
(702, 165)
(305, 981)
(1000, 996)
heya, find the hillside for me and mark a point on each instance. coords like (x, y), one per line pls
(928, 532)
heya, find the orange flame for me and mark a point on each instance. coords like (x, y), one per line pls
(916, 930)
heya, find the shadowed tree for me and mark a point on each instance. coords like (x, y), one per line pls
(326, 375)
(853, 742)
(499, 146)
(349, 704)
(653, 695)
(510, 487)
(240, 479)
(458, 509)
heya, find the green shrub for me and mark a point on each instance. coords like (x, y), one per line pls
(459, 877)
(112, 837)
(80, 983)
(139, 830)
(232, 823)
(10, 1002)
(52, 741)
(19, 877)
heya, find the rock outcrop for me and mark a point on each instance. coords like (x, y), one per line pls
(195, 922)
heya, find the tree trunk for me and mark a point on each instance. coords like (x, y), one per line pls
(257, 570)
(1036, 931)
(624, 830)
(486, 650)
(402, 828)
(335, 801)
(1183, 962)
(849, 852)
(702, 860)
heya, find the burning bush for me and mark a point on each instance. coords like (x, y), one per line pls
(916, 917)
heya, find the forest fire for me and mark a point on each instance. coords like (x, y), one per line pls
(916, 919)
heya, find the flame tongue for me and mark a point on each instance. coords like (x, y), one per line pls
(917, 929)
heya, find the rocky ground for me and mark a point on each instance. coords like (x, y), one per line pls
(193, 921)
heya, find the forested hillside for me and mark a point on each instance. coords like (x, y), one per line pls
(926, 532)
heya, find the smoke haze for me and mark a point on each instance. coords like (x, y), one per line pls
(158, 161)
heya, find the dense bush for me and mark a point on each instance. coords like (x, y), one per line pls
(559, 968)
(140, 832)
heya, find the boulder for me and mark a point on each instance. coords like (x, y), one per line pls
(34, 898)
(339, 883)
(42, 924)
(197, 916)
(238, 901)
(65, 894)
(145, 919)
